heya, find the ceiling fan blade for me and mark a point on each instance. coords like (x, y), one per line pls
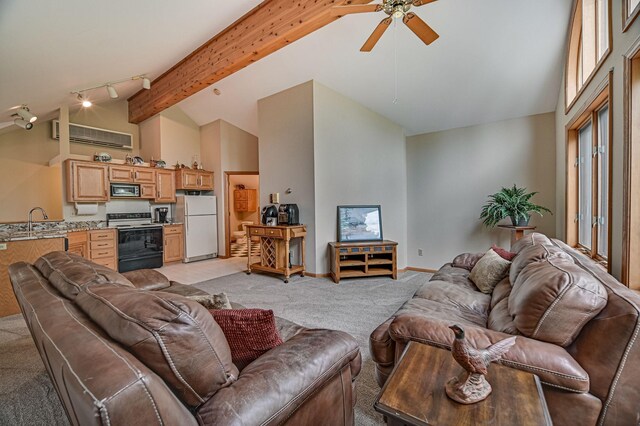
(356, 8)
(420, 28)
(375, 35)
(418, 3)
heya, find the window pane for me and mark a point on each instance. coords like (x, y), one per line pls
(632, 5)
(603, 180)
(585, 144)
(602, 27)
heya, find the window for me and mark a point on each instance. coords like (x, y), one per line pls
(589, 44)
(588, 178)
(630, 9)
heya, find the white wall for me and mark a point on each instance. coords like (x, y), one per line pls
(285, 122)
(359, 158)
(226, 148)
(451, 173)
(180, 137)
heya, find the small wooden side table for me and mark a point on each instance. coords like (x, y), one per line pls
(274, 249)
(517, 232)
(414, 394)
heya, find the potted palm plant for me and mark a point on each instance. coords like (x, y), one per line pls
(511, 203)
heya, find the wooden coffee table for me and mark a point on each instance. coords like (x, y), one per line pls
(414, 394)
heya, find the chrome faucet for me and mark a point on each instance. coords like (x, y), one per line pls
(30, 223)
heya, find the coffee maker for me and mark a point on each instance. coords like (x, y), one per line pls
(288, 214)
(269, 215)
(161, 214)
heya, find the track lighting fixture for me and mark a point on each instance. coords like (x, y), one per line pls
(25, 114)
(27, 125)
(112, 91)
(85, 102)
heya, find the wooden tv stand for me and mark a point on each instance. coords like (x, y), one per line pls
(363, 259)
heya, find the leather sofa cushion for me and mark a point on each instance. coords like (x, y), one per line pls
(501, 291)
(501, 320)
(147, 279)
(450, 313)
(530, 254)
(461, 298)
(70, 277)
(553, 299)
(553, 364)
(466, 260)
(534, 238)
(454, 275)
(51, 261)
(175, 337)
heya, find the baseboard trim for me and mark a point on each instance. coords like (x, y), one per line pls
(412, 268)
(223, 257)
(312, 275)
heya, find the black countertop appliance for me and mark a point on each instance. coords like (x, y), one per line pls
(269, 215)
(288, 214)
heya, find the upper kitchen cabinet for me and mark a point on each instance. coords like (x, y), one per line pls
(198, 180)
(165, 186)
(129, 174)
(86, 181)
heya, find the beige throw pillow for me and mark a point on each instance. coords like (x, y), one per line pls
(489, 271)
(212, 301)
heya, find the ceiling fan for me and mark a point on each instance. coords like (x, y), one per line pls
(395, 9)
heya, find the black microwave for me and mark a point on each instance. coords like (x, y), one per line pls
(125, 190)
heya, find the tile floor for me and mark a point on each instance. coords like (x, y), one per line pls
(195, 272)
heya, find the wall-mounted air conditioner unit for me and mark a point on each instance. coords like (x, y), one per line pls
(94, 136)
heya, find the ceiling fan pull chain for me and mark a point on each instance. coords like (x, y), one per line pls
(395, 58)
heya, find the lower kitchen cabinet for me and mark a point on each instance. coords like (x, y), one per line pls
(103, 247)
(173, 243)
(78, 243)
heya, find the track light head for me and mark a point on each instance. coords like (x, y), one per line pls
(25, 114)
(146, 83)
(85, 102)
(112, 92)
(27, 125)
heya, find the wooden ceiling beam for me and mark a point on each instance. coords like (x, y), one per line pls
(267, 28)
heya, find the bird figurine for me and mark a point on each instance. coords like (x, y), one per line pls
(471, 386)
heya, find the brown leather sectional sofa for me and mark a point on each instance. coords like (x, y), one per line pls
(578, 328)
(130, 349)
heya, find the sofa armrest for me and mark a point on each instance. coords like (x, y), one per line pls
(552, 363)
(273, 387)
(466, 260)
(147, 279)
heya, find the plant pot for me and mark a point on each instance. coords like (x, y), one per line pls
(521, 221)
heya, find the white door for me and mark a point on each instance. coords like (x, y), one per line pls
(200, 204)
(201, 235)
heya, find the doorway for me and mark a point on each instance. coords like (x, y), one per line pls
(242, 201)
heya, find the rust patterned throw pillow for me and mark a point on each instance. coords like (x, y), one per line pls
(249, 332)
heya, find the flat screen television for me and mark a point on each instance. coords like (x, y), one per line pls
(359, 223)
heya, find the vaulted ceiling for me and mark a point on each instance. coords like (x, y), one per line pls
(495, 59)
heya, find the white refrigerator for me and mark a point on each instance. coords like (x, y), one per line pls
(198, 214)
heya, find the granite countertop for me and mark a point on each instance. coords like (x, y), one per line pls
(18, 231)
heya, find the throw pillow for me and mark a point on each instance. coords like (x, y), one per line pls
(250, 333)
(489, 271)
(505, 254)
(212, 301)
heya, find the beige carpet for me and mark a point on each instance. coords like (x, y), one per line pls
(27, 396)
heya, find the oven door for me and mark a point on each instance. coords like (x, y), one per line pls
(139, 248)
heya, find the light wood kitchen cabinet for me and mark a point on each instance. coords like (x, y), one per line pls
(198, 180)
(144, 175)
(120, 174)
(20, 251)
(173, 243)
(165, 186)
(148, 190)
(86, 181)
(103, 247)
(132, 174)
(78, 243)
(245, 200)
